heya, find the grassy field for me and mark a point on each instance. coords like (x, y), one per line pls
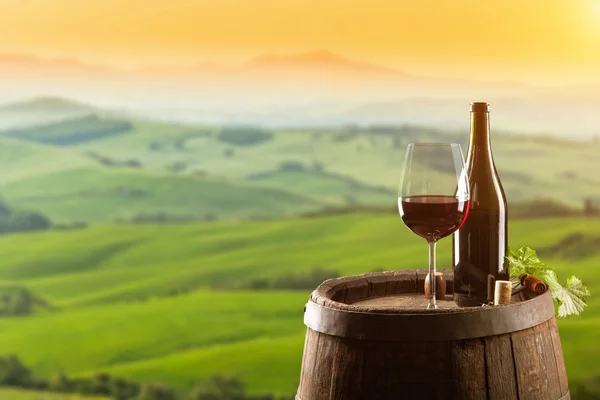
(15, 394)
(323, 187)
(26, 160)
(139, 302)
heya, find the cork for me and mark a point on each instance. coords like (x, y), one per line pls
(480, 106)
(440, 286)
(502, 293)
(533, 284)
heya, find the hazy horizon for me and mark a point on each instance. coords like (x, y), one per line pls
(293, 63)
(319, 88)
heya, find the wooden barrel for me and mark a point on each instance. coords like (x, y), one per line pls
(370, 337)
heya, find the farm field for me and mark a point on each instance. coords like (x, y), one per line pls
(156, 303)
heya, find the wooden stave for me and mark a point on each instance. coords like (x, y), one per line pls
(320, 381)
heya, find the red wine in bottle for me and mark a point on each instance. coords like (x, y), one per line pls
(480, 245)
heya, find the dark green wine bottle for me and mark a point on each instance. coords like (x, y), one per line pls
(479, 247)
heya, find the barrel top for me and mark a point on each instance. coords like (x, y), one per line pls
(393, 292)
(381, 305)
(413, 302)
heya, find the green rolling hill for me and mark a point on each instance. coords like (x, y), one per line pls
(105, 194)
(73, 131)
(149, 302)
(322, 186)
(99, 166)
(529, 166)
(22, 160)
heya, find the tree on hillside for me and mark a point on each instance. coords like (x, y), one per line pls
(244, 135)
(318, 167)
(4, 209)
(15, 301)
(154, 146)
(350, 199)
(21, 221)
(155, 391)
(19, 302)
(101, 383)
(220, 388)
(590, 208)
(228, 152)
(124, 390)
(542, 208)
(60, 382)
(292, 166)
(13, 372)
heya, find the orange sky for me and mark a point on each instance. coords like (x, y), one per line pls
(557, 40)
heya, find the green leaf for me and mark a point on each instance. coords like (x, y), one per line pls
(571, 299)
(525, 261)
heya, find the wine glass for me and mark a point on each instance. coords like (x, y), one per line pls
(434, 196)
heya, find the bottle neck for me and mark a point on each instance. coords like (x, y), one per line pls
(480, 132)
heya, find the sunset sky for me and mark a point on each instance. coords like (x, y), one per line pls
(537, 40)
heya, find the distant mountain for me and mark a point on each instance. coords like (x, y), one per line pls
(313, 63)
(322, 60)
(23, 63)
(42, 110)
(203, 68)
(47, 104)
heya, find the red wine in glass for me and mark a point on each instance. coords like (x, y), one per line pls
(433, 217)
(434, 195)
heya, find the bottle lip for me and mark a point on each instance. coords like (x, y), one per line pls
(480, 106)
(433, 144)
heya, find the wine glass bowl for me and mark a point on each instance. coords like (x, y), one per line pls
(434, 196)
(433, 217)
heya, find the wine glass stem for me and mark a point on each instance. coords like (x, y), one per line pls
(432, 275)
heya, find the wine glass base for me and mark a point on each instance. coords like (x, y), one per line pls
(432, 306)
